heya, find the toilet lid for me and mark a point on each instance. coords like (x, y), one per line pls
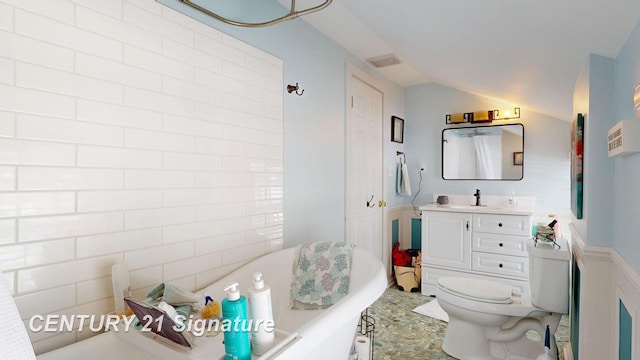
(482, 290)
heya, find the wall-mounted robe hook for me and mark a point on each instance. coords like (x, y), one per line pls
(296, 87)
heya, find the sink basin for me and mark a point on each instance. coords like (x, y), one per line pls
(491, 204)
(466, 206)
(473, 207)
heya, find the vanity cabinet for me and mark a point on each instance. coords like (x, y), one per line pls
(490, 246)
(455, 252)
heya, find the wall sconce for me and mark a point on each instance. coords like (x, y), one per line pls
(636, 98)
(504, 114)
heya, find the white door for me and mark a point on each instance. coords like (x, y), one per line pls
(364, 198)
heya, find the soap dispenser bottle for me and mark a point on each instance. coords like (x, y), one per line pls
(261, 315)
(513, 201)
(236, 336)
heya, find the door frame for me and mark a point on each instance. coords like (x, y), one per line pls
(351, 72)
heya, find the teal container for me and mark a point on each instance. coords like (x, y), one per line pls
(237, 345)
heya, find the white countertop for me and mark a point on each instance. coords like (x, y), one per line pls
(479, 209)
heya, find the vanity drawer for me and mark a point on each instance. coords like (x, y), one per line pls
(500, 244)
(502, 224)
(501, 264)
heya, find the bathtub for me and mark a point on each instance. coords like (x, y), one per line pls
(301, 334)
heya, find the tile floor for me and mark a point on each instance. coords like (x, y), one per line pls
(403, 334)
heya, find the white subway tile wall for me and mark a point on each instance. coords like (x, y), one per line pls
(130, 132)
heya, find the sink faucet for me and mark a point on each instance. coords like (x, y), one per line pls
(477, 195)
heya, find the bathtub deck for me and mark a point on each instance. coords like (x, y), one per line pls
(401, 333)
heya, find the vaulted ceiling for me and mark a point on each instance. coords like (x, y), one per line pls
(522, 52)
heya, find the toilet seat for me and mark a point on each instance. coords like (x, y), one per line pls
(475, 296)
(477, 290)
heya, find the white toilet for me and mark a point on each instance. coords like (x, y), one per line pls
(488, 320)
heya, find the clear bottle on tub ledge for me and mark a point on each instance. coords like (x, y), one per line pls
(236, 337)
(261, 315)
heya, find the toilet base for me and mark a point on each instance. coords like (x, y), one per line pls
(466, 341)
(469, 341)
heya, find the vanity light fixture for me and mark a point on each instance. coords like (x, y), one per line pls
(507, 113)
(483, 116)
(636, 98)
(473, 117)
(292, 14)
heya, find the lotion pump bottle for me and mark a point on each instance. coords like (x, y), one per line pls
(261, 313)
(236, 336)
(513, 202)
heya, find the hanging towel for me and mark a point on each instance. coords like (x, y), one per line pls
(403, 187)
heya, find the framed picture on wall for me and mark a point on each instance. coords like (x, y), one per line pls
(577, 158)
(397, 129)
(517, 158)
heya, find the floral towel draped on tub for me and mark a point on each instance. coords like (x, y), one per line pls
(320, 274)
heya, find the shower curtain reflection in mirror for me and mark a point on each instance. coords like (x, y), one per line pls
(487, 161)
(482, 152)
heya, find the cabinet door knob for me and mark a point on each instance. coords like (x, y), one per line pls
(500, 265)
(499, 224)
(501, 244)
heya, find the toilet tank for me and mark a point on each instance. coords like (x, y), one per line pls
(549, 275)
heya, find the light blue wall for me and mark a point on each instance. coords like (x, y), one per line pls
(612, 195)
(594, 97)
(547, 143)
(314, 124)
(626, 180)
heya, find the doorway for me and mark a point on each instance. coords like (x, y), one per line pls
(364, 173)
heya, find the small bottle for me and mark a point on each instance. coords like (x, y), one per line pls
(261, 315)
(173, 314)
(236, 337)
(513, 202)
(555, 225)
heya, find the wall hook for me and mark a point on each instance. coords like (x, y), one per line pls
(296, 87)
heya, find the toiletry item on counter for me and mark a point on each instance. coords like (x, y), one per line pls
(236, 340)
(211, 308)
(555, 225)
(513, 201)
(212, 311)
(173, 314)
(261, 313)
(544, 233)
(442, 200)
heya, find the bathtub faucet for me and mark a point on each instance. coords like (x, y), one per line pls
(477, 195)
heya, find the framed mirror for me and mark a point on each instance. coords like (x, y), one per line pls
(483, 153)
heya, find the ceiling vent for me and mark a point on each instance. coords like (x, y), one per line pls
(384, 60)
